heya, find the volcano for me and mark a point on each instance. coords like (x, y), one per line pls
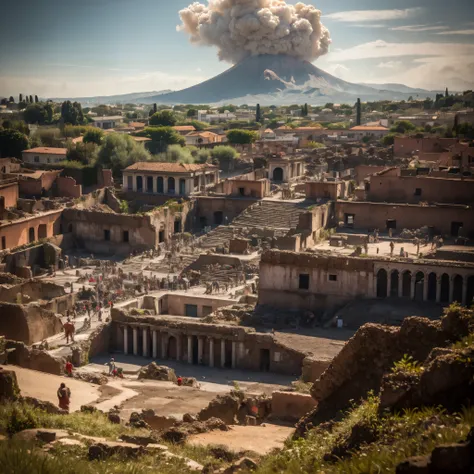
(272, 79)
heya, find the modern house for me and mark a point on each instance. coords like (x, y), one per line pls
(106, 123)
(44, 155)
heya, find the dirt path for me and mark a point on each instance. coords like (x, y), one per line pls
(261, 439)
(44, 386)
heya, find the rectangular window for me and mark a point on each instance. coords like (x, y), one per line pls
(332, 277)
(130, 183)
(4, 243)
(418, 192)
(125, 236)
(37, 159)
(107, 235)
(304, 281)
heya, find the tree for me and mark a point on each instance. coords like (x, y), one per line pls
(175, 154)
(389, 139)
(446, 94)
(241, 137)
(191, 113)
(93, 135)
(12, 143)
(402, 126)
(72, 113)
(36, 99)
(304, 110)
(4, 101)
(26, 99)
(224, 156)
(31, 99)
(85, 153)
(35, 113)
(119, 151)
(258, 114)
(163, 119)
(11, 100)
(162, 137)
(20, 98)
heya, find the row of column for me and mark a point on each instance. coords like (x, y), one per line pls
(426, 287)
(145, 350)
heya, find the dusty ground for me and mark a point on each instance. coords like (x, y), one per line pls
(44, 386)
(261, 439)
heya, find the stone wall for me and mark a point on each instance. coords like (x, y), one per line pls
(325, 190)
(209, 207)
(67, 187)
(9, 193)
(291, 406)
(28, 324)
(34, 359)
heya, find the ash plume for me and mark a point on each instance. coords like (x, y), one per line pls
(242, 28)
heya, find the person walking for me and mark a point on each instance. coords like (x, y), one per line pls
(69, 368)
(64, 397)
(111, 365)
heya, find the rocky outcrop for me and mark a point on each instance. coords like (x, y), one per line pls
(224, 407)
(180, 432)
(34, 359)
(9, 389)
(291, 406)
(157, 422)
(154, 371)
(370, 355)
(104, 450)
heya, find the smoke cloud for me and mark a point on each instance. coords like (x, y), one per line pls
(241, 28)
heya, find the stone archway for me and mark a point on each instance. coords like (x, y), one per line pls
(382, 283)
(278, 174)
(394, 279)
(31, 235)
(445, 283)
(406, 284)
(171, 185)
(457, 288)
(432, 284)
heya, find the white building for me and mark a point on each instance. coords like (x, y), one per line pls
(106, 123)
(204, 116)
(180, 179)
(44, 155)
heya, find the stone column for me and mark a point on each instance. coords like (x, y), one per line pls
(155, 185)
(179, 349)
(155, 345)
(413, 286)
(190, 349)
(165, 184)
(451, 289)
(438, 289)
(164, 341)
(425, 288)
(234, 354)
(135, 341)
(389, 283)
(211, 352)
(222, 353)
(200, 349)
(135, 182)
(125, 340)
(145, 342)
(464, 291)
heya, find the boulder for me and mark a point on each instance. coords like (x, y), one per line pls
(154, 371)
(114, 418)
(48, 407)
(188, 418)
(136, 421)
(179, 433)
(191, 382)
(9, 389)
(90, 377)
(46, 436)
(243, 464)
(156, 422)
(452, 458)
(224, 407)
(140, 440)
(414, 465)
(104, 450)
(399, 391)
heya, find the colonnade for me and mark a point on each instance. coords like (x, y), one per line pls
(165, 345)
(425, 286)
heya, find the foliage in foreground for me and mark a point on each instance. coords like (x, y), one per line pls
(397, 437)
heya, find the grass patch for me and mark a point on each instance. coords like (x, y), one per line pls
(302, 387)
(407, 365)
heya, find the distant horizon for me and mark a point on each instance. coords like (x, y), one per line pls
(113, 47)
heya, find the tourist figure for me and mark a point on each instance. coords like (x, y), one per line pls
(111, 364)
(64, 397)
(69, 368)
(392, 248)
(69, 330)
(179, 381)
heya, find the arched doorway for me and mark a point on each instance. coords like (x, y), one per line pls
(419, 286)
(382, 284)
(444, 297)
(406, 284)
(172, 352)
(278, 174)
(139, 184)
(432, 282)
(470, 291)
(149, 184)
(42, 231)
(159, 185)
(31, 234)
(182, 187)
(457, 288)
(395, 277)
(171, 185)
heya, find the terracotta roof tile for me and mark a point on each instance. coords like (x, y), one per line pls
(168, 167)
(48, 150)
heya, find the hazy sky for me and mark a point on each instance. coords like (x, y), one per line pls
(68, 48)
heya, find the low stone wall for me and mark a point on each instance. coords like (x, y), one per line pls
(34, 359)
(313, 368)
(291, 406)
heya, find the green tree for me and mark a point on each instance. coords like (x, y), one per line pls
(191, 113)
(162, 137)
(119, 151)
(224, 156)
(71, 112)
(175, 154)
(93, 135)
(31, 99)
(389, 139)
(11, 100)
(241, 137)
(12, 143)
(202, 156)
(20, 98)
(36, 99)
(402, 126)
(165, 118)
(35, 113)
(258, 114)
(446, 94)
(85, 153)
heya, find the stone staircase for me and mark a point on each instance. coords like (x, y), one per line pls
(216, 237)
(271, 214)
